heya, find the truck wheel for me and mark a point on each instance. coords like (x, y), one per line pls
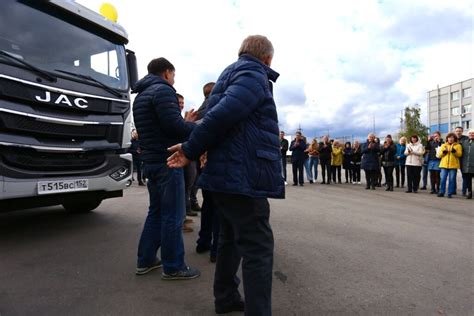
(82, 207)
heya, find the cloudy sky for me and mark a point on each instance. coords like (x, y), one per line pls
(341, 63)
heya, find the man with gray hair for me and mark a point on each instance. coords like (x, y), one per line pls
(240, 133)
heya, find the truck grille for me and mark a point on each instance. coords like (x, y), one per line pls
(30, 126)
(27, 159)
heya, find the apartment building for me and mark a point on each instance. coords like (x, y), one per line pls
(450, 106)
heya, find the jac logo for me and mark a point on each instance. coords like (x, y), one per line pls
(63, 99)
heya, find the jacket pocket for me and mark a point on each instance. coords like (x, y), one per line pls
(268, 175)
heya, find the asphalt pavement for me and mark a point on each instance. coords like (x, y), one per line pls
(339, 250)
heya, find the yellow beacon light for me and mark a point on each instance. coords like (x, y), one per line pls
(109, 12)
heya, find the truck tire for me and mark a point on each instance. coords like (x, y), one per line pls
(81, 207)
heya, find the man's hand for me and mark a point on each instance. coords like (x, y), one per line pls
(177, 159)
(191, 116)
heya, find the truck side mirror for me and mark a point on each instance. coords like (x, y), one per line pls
(132, 68)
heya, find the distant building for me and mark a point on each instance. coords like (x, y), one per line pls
(450, 106)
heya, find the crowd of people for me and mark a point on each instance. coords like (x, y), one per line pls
(411, 160)
(230, 149)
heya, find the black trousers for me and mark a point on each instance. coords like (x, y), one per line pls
(467, 178)
(245, 233)
(194, 189)
(388, 175)
(137, 165)
(326, 169)
(356, 173)
(348, 174)
(400, 174)
(435, 180)
(209, 232)
(371, 177)
(190, 174)
(413, 177)
(334, 170)
(298, 169)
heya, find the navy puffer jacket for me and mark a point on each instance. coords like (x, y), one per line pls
(240, 132)
(370, 156)
(158, 119)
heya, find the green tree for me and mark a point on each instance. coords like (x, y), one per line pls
(412, 124)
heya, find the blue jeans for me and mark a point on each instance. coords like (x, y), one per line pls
(283, 167)
(164, 222)
(313, 164)
(307, 168)
(445, 174)
(425, 175)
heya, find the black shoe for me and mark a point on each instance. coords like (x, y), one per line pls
(432, 192)
(311, 181)
(391, 188)
(423, 188)
(415, 191)
(469, 196)
(408, 191)
(213, 259)
(141, 184)
(323, 182)
(186, 274)
(397, 186)
(301, 184)
(367, 188)
(294, 184)
(449, 196)
(238, 306)
(464, 194)
(373, 188)
(191, 213)
(202, 249)
(440, 195)
(388, 188)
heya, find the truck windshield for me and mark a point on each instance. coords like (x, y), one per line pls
(50, 43)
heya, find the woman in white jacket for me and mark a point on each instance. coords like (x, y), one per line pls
(414, 152)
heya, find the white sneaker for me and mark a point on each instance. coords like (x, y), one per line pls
(358, 182)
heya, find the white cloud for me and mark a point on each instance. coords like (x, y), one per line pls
(341, 63)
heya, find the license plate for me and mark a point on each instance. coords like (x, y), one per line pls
(61, 186)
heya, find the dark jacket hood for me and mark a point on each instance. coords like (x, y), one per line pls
(147, 81)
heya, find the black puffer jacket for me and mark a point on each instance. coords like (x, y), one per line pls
(388, 155)
(325, 153)
(356, 156)
(158, 119)
(431, 149)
